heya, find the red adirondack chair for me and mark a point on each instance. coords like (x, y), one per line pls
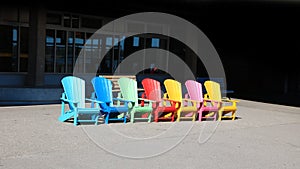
(163, 108)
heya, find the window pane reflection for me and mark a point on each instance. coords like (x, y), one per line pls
(70, 57)
(79, 43)
(60, 51)
(49, 53)
(7, 50)
(24, 49)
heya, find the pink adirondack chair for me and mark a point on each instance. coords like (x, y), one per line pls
(207, 109)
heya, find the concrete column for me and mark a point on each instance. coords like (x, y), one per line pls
(37, 35)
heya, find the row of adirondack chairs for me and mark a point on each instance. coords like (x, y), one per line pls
(153, 105)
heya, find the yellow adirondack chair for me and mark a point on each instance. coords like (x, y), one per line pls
(214, 93)
(174, 92)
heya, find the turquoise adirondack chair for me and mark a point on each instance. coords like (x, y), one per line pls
(129, 92)
(103, 93)
(74, 96)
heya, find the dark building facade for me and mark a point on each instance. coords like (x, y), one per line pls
(258, 44)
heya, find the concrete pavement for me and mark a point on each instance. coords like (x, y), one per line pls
(264, 136)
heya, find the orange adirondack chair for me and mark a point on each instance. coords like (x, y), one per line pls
(161, 106)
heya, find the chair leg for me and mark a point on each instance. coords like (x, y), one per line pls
(194, 116)
(75, 119)
(173, 116)
(96, 119)
(156, 116)
(200, 115)
(125, 118)
(220, 113)
(149, 117)
(233, 115)
(215, 116)
(132, 116)
(178, 116)
(62, 108)
(106, 118)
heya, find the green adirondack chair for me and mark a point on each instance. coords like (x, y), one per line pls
(137, 111)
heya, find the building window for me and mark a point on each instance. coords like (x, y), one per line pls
(71, 21)
(14, 48)
(75, 21)
(67, 20)
(14, 39)
(79, 44)
(155, 43)
(50, 51)
(70, 52)
(136, 41)
(23, 66)
(60, 59)
(54, 19)
(87, 22)
(62, 49)
(9, 14)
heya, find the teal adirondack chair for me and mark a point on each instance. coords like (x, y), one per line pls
(137, 111)
(74, 96)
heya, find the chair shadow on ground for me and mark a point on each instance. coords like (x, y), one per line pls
(101, 120)
(223, 119)
(229, 119)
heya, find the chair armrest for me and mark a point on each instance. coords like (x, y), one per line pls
(92, 100)
(70, 101)
(197, 101)
(231, 101)
(166, 99)
(63, 98)
(147, 100)
(122, 100)
(177, 103)
(213, 102)
(194, 102)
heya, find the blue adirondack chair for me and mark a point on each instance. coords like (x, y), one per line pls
(103, 93)
(74, 96)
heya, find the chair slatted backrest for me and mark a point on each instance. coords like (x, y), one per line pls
(173, 89)
(213, 90)
(128, 89)
(194, 89)
(152, 89)
(114, 79)
(103, 89)
(74, 89)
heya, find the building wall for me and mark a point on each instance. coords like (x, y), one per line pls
(258, 50)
